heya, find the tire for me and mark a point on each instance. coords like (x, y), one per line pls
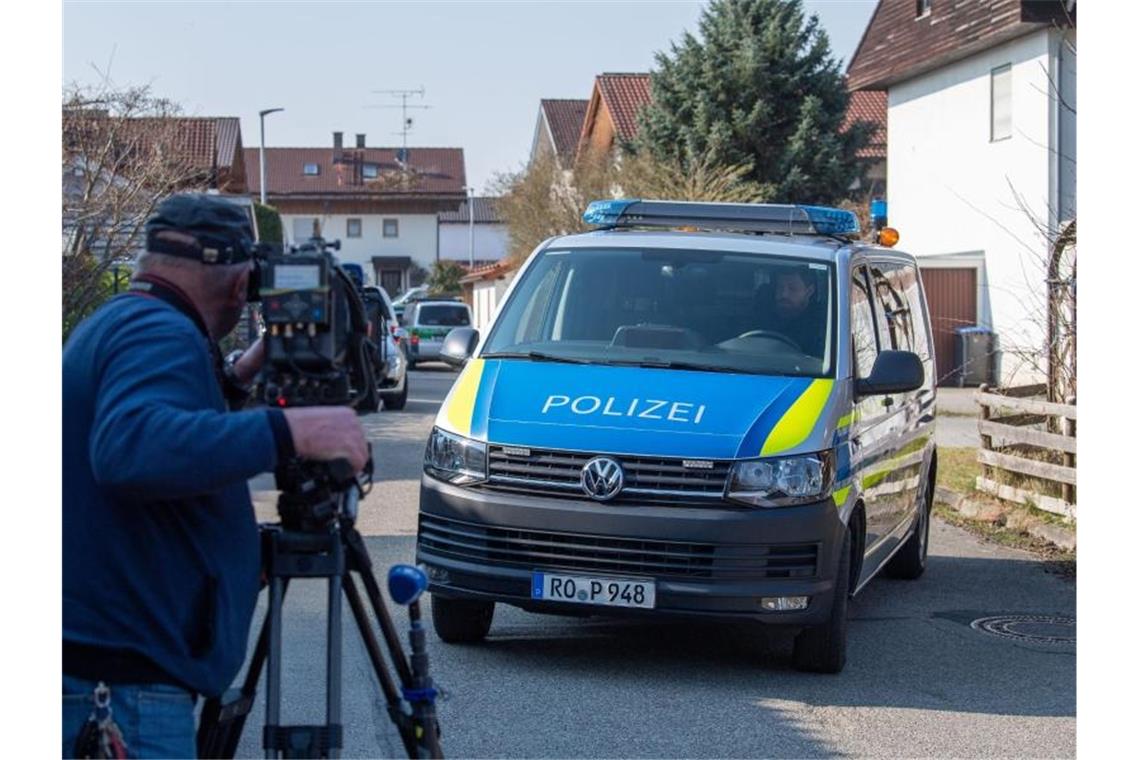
(823, 648)
(461, 621)
(396, 402)
(910, 561)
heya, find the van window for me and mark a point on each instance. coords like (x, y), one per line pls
(442, 315)
(863, 337)
(683, 309)
(908, 283)
(896, 326)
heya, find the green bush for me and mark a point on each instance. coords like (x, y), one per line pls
(268, 224)
(444, 279)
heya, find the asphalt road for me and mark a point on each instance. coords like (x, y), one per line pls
(920, 682)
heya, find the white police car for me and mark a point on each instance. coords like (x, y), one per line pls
(729, 420)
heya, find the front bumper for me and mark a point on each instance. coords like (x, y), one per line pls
(706, 561)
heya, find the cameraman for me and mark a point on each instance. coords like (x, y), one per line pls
(160, 544)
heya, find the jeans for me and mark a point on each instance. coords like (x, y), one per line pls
(156, 720)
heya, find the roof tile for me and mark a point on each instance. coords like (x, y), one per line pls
(486, 212)
(565, 120)
(624, 96)
(869, 105)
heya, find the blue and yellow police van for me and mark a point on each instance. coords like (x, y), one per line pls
(720, 411)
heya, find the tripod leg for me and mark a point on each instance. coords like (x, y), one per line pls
(359, 560)
(273, 675)
(333, 667)
(372, 646)
(223, 718)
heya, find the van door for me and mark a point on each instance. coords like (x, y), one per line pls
(898, 309)
(873, 437)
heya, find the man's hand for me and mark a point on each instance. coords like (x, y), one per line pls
(249, 363)
(324, 433)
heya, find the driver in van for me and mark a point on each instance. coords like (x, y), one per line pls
(790, 308)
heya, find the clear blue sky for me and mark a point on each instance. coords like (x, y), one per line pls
(484, 65)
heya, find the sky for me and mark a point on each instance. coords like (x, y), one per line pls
(483, 66)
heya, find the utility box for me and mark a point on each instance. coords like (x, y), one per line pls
(977, 359)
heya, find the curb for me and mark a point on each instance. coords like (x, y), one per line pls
(991, 513)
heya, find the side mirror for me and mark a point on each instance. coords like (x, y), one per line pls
(893, 372)
(458, 346)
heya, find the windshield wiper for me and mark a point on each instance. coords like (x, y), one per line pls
(662, 364)
(537, 356)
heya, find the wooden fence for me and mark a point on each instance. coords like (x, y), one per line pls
(1029, 448)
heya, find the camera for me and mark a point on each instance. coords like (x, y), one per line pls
(318, 346)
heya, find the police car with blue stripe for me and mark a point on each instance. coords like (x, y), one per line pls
(699, 409)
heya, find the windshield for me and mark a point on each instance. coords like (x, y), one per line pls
(443, 315)
(704, 310)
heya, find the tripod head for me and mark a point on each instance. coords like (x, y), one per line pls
(315, 494)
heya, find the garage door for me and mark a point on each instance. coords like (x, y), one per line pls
(952, 296)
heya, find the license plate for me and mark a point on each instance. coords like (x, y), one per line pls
(609, 592)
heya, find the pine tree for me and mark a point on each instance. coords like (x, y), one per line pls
(760, 88)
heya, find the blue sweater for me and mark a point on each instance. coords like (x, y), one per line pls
(160, 543)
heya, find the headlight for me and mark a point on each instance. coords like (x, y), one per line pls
(781, 481)
(455, 459)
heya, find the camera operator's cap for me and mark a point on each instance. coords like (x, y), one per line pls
(221, 229)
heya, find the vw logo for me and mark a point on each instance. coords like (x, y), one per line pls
(602, 478)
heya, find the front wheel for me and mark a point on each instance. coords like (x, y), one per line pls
(461, 621)
(823, 648)
(396, 401)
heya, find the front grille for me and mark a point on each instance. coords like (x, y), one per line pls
(546, 550)
(651, 479)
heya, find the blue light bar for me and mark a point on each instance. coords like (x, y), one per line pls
(736, 217)
(832, 221)
(606, 212)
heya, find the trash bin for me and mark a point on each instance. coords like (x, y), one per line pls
(977, 359)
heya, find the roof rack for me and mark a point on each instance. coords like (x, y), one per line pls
(740, 217)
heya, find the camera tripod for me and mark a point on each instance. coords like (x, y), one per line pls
(317, 539)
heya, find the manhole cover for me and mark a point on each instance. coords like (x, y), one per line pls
(1039, 629)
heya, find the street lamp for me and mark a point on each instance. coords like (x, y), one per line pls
(261, 115)
(470, 226)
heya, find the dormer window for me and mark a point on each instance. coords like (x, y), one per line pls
(312, 170)
(371, 171)
(922, 8)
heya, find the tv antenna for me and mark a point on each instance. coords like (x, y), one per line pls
(405, 121)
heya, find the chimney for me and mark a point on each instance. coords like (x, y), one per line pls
(360, 140)
(338, 146)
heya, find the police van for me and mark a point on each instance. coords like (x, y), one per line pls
(721, 411)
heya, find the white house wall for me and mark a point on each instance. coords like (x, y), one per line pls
(490, 241)
(417, 237)
(952, 191)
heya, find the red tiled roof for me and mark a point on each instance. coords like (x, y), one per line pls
(486, 212)
(434, 171)
(869, 105)
(898, 45)
(490, 271)
(209, 141)
(624, 96)
(564, 117)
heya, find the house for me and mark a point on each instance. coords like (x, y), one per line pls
(483, 290)
(383, 204)
(611, 115)
(482, 240)
(117, 168)
(870, 106)
(557, 130)
(981, 156)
